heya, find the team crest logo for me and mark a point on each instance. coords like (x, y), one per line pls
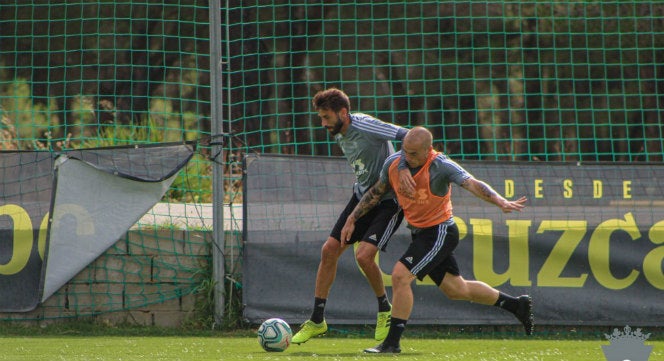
(627, 345)
(358, 167)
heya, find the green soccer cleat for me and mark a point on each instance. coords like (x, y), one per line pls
(382, 325)
(308, 330)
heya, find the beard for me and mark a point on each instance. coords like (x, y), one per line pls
(334, 130)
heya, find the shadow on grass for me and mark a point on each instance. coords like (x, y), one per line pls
(310, 355)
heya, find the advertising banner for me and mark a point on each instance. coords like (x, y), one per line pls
(59, 212)
(589, 247)
(25, 199)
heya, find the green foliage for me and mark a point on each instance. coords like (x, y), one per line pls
(24, 126)
(118, 135)
(29, 120)
(194, 182)
(233, 318)
(173, 126)
(203, 315)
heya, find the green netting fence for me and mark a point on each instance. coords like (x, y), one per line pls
(90, 74)
(573, 81)
(525, 80)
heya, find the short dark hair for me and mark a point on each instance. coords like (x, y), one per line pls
(332, 99)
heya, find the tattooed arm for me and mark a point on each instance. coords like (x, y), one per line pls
(368, 201)
(484, 191)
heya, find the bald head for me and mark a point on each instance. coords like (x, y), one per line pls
(416, 146)
(418, 137)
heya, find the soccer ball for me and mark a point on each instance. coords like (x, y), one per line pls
(274, 335)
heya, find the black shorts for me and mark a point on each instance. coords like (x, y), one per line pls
(375, 227)
(431, 252)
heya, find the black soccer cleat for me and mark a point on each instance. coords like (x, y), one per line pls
(524, 312)
(383, 348)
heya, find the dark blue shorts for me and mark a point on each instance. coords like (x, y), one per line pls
(431, 252)
(375, 227)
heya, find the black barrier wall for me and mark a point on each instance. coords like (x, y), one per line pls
(589, 246)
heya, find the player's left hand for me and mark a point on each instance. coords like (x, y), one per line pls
(517, 205)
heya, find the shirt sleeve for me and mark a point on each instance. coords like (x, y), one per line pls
(401, 132)
(445, 171)
(385, 171)
(378, 128)
(457, 173)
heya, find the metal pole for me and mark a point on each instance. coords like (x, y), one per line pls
(216, 121)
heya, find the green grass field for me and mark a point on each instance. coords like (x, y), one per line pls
(207, 348)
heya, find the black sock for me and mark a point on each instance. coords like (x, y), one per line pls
(397, 326)
(319, 310)
(384, 304)
(507, 302)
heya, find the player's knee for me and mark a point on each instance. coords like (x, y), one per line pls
(365, 261)
(401, 276)
(330, 250)
(366, 257)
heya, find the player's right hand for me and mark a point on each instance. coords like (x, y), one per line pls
(406, 183)
(347, 231)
